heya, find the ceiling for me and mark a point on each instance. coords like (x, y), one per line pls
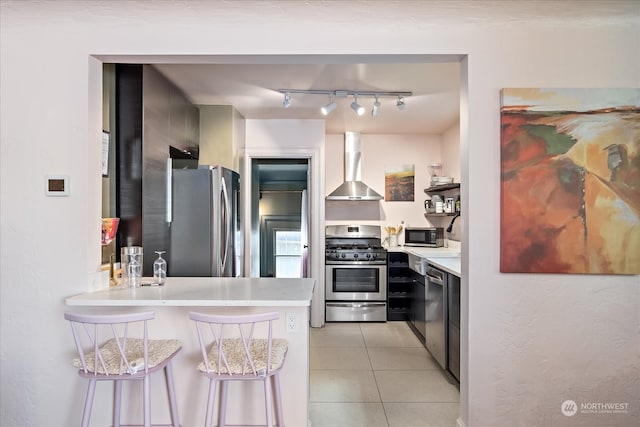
(252, 88)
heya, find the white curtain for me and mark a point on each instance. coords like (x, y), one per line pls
(304, 235)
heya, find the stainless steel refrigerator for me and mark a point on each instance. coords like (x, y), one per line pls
(205, 237)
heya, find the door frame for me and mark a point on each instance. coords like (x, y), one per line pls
(315, 192)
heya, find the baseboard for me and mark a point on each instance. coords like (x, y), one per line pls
(460, 422)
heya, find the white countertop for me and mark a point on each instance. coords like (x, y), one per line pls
(449, 264)
(205, 291)
(431, 252)
(447, 259)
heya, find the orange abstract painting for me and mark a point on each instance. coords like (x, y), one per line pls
(570, 181)
(399, 183)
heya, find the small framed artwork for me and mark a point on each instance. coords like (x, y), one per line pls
(399, 183)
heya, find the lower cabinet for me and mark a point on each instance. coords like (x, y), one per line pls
(407, 301)
(400, 287)
(418, 303)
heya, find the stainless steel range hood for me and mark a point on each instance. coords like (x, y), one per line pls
(353, 188)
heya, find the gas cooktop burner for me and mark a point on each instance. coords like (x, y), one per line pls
(359, 254)
(345, 247)
(355, 244)
(349, 256)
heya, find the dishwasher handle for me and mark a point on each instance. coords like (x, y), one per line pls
(435, 276)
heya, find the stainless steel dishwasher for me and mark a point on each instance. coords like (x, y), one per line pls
(436, 314)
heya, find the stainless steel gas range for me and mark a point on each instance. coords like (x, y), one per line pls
(356, 274)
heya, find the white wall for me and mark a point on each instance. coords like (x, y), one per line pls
(451, 152)
(533, 341)
(451, 161)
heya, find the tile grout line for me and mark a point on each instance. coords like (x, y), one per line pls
(373, 372)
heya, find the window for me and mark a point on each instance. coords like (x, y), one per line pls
(288, 253)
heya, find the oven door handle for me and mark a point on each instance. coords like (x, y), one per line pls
(356, 304)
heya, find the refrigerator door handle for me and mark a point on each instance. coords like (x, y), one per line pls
(169, 190)
(226, 225)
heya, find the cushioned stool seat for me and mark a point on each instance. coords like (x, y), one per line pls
(158, 351)
(234, 351)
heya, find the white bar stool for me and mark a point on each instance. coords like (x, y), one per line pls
(240, 358)
(107, 353)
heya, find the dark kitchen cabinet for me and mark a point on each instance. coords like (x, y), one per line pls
(418, 303)
(152, 115)
(400, 287)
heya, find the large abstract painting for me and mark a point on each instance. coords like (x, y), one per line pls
(570, 182)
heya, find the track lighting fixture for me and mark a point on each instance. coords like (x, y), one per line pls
(332, 105)
(286, 103)
(375, 112)
(329, 107)
(359, 109)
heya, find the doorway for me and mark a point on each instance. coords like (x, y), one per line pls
(281, 215)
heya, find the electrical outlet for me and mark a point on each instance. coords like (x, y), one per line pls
(292, 322)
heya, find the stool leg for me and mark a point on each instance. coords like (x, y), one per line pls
(211, 398)
(147, 401)
(168, 374)
(277, 398)
(117, 394)
(88, 402)
(268, 401)
(222, 412)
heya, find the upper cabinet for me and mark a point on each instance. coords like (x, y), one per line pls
(222, 136)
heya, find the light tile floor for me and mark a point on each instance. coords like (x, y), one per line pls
(377, 375)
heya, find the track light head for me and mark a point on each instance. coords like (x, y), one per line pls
(359, 109)
(375, 112)
(400, 103)
(329, 107)
(286, 103)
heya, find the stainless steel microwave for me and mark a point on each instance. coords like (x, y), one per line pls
(430, 237)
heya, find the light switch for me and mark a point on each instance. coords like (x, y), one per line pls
(57, 185)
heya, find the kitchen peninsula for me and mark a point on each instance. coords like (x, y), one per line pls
(172, 303)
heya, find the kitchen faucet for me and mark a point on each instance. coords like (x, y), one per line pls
(450, 227)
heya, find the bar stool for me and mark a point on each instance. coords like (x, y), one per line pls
(107, 353)
(240, 358)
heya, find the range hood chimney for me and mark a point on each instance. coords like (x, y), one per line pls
(353, 188)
